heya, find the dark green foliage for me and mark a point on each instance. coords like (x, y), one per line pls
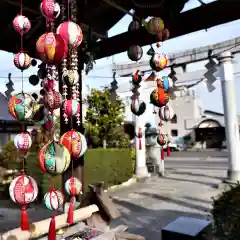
(104, 120)
(226, 215)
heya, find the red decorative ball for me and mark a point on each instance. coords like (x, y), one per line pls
(21, 24)
(50, 9)
(22, 61)
(71, 33)
(23, 189)
(71, 107)
(51, 48)
(52, 100)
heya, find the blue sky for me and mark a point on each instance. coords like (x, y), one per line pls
(102, 74)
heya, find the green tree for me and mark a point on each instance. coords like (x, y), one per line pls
(104, 120)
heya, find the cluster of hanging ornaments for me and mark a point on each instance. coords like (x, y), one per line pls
(164, 85)
(138, 106)
(55, 157)
(22, 107)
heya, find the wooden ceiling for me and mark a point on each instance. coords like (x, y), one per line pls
(101, 15)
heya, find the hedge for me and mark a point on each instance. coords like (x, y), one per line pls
(113, 166)
(226, 215)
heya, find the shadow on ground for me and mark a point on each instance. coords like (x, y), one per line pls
(210, 184)
(194, 174)
(146, 222)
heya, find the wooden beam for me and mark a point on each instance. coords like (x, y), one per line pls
(187, 22)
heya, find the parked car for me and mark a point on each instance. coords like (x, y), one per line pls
(173, 147)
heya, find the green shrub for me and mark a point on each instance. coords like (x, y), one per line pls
(226, 215)
(113, 166)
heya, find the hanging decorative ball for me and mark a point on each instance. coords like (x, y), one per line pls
(155, 25)
(71, 33)
(54, 158)
(22, 61)
(134, 25)
(34, 80)
(71, 107)
(136, 78)
(54, 200)
(21, 24)
(50, 9)
(22, 107)
(159, 97)
(51, 48)
(70, 77)
(135, 52)
(166, 113)
(158, 62)
(162, 139)
(138, 107)
(73, 186)
(23, 141)
(75, 142)
(23, 190)
(52, 100)
(165, 82)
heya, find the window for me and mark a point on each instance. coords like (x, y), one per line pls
(174, 119)
(174, 133)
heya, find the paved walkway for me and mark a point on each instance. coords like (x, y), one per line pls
(147, 207)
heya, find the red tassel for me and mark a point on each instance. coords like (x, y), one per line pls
(24, 219)
(168, 151)
(52, 229)
(162, 154)
(70, 212)
(140, 144)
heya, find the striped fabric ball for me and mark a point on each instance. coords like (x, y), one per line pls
(21, 24)
(71, 33)
(52, 100)
(23, 189)
(166, 113)
(54, 158)
(71, 107)
(75, 142)
(138, 107)
(73, 186)
(23, 141)
(22, 61)
(54, 200)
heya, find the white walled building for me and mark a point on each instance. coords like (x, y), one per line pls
(189, 114)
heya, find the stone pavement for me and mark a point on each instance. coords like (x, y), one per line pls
(147, 207)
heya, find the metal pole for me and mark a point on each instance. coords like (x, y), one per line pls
(230, 116)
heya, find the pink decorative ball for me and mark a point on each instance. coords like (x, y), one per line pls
(23, 141)
(52, 100)
(71, 107)
(71, 33)
(22, 61)
(50, 9)
(21, 24)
